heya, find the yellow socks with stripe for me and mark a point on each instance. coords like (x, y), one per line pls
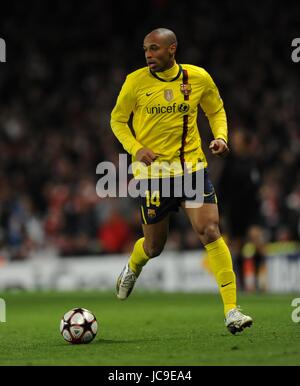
(138, 257)
(220, 262)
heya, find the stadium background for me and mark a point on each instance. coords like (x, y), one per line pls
(65, 65)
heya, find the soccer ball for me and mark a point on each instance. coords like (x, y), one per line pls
(79, 326)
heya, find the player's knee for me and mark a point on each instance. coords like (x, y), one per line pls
(208, 233)
(211, 232)
(153, 250)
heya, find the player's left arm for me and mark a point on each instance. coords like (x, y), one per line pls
(213, 107)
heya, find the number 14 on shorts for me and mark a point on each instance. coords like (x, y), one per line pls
(152, 198)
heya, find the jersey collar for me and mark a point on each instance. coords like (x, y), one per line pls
(165, 73)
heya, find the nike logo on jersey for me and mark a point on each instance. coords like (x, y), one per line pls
(149, 93)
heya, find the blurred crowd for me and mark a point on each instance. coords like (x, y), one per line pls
(66, 62)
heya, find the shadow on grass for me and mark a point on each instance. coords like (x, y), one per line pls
(108, 342)
(125, 341)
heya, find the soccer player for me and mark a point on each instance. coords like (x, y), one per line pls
(164, 98)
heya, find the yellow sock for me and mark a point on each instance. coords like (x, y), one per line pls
(220, 262)
(138, 257)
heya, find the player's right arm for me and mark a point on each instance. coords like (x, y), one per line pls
(119, 124)
(120, 116)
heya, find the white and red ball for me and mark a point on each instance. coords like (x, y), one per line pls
(79, 326)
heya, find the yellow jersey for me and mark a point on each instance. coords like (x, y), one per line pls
(165, 106)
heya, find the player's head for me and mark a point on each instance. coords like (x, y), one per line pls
(160, 47)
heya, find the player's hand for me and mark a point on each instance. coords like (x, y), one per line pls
(146, 156)
(219, 147)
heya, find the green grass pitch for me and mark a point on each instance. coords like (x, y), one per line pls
(148, 329)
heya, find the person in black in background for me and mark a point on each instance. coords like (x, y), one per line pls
(238, 190)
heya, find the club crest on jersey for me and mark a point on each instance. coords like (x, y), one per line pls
(168, 94)
(186, 89)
